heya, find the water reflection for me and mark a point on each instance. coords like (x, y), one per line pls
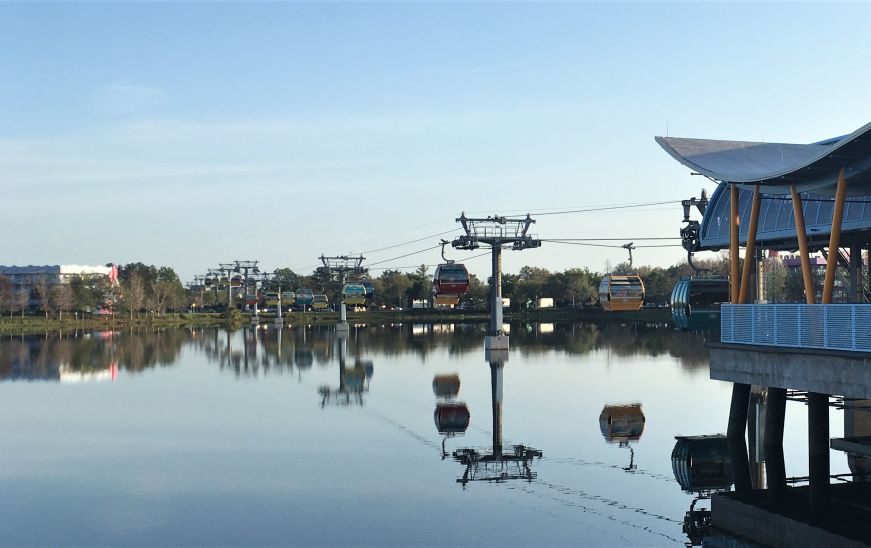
(254, 351)
(451, 417)
(494, 464)
(623, 425)
(89, 356)
(353, 381)
(701, 466)
(264, 395)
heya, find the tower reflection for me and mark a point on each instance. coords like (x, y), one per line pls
(353, 381)
(495, 464)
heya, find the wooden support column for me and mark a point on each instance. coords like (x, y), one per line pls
(734, 283)
(803, 252)
(835, 238)
(750, 248)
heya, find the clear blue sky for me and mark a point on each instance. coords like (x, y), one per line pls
(190, 134)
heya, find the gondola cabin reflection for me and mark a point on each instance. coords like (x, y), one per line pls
(446, 386)
(451, 418)
(621, 292)
(701, 463)
(622, 423)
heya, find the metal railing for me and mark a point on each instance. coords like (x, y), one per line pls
(823, 326)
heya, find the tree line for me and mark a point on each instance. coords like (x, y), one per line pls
(140, 288)
(154, 289)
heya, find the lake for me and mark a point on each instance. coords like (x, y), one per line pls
(396, 435)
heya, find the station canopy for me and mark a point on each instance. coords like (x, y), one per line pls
(813, 168)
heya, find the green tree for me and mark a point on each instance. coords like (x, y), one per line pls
(62, 298)
(395, 286)
(43, 293)
(420, 284)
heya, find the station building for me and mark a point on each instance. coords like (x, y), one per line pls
(804, 199)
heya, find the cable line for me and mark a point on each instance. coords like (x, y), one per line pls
(406, 255)
(606, 245)
(428, 265)
(603, 208)
(410, 241)
(611, 239)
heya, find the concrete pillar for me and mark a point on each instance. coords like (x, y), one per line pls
(818, 453)
(735, 437)
(857, 423)
(756, 413)
(496, 290)
(775, 467)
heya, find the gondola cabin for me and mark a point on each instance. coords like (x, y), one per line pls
(304, 297)
(621, 292)
(449, 282)
(320, 302)
(288, 298)
(695, 303)
(354, 294)
(236, 281)
(272, 299)
(208, 282)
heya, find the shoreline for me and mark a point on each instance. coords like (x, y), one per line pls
(30, 325)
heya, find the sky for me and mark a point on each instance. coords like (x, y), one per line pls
(198, 133)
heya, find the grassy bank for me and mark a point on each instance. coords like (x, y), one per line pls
(39, 324)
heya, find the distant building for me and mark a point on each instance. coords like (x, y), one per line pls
(26, 277)
(793, 263)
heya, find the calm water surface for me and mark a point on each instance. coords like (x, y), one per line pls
(292, 436)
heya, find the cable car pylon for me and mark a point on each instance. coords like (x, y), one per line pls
(342, 265)
(496, 231)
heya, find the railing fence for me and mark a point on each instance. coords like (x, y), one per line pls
(824, 326)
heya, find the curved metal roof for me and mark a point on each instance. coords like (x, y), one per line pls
(811, 167)
(776, 229)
